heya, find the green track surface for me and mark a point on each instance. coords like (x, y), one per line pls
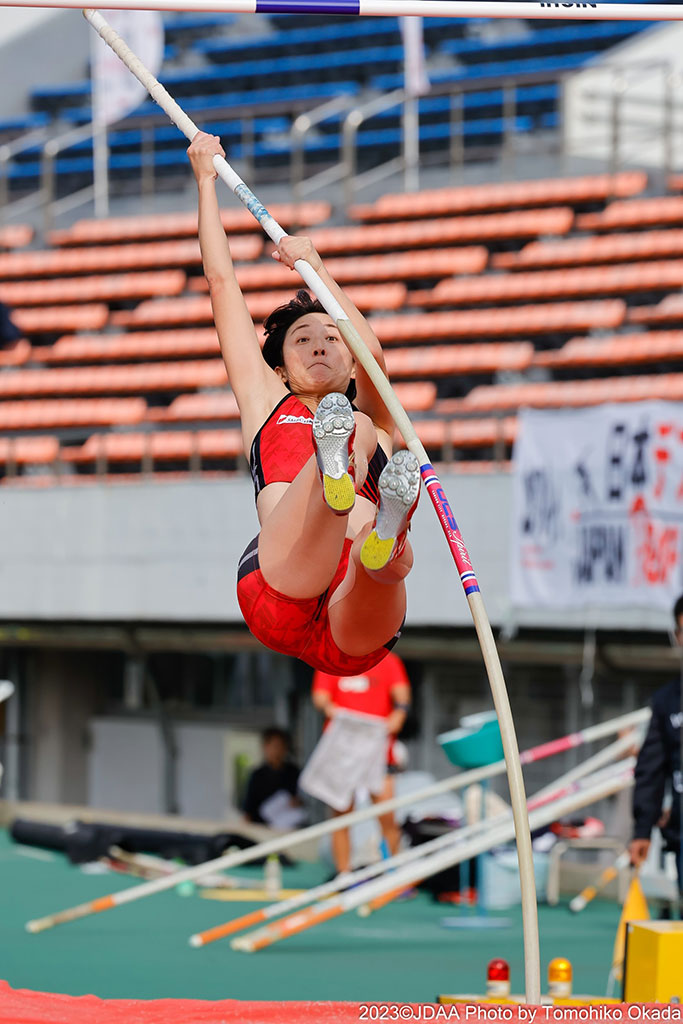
(140, 950)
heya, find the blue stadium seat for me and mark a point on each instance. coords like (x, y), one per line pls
(303, 40)
(321, 38)
(498, 69)
(168, 136)
(287, 71)
(533, 100)
(382, 139)
(23, 123)
(179, 25)
(583, 37)
(276, 151)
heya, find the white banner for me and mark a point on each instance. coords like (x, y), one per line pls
(116, 92)
(598, 507)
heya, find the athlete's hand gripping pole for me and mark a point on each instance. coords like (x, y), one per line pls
(431, 481)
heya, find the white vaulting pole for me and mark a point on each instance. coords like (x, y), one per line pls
(393, 8)
(579, 794)
(431, 481)
(555, 789)
(323, 828)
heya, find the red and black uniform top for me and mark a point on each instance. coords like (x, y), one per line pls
(284, 444)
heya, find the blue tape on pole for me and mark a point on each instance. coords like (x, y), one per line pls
(306, 7)
(252, 203)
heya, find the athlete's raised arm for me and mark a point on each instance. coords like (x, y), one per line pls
(292, 248)
(256, 386)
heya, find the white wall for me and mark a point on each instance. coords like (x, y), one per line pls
(126, 765)
(168, 552)
(639, 67)
(39, 47)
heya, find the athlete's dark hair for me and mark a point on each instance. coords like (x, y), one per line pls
(281, 319)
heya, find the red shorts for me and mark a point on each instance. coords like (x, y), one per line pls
(299, 627)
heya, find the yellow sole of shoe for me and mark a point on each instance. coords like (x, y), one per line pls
(340, 494)
(376, 553)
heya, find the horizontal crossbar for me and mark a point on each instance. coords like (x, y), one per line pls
(384, 8)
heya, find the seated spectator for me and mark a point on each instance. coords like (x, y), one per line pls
(9, 333)
(272, 790)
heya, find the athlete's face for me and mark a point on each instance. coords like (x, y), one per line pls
(315, 359)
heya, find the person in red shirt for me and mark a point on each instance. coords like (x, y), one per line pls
(384, 691)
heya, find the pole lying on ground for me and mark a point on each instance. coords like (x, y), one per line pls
(229, 860)
(582, 794)
(559, 787)
(431, 481)
(583, 898)
(392, 8)
(336, 885)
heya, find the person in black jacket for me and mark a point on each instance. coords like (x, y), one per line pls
(276, 776)
(659, 762)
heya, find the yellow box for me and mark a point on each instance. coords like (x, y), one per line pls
(653, 970)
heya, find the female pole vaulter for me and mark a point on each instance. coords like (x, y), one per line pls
(324, 579)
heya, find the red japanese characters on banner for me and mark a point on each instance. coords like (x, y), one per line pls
(598, 506)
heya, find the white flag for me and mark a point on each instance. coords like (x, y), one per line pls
(415, 78)
(115, 91)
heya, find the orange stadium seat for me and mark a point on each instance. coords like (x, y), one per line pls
(669, 310)
(212, 405)
(506, 321)
(96, 288)
(17, 354)
(444, 360)
(675, 182)
(197, 310)
(465, 433)
(634, 213)
(416, 396)
(430, 263)
(557, 394)
(143, 345)
(183, 225)
(15, 236)
(25, 451)
(71, 412)
(601, 249)
(415, 234)
(617, 350)
(170, 445)
(102, 259)
(660, 275)
(468, 198)
(93, 380)
(57, 319)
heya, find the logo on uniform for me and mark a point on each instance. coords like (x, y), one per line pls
(286, 420)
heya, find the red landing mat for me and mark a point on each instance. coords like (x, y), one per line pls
(21, 1006)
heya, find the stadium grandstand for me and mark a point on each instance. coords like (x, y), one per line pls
(524, 265)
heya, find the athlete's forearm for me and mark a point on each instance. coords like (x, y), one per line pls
(213, 242)
(355, 316)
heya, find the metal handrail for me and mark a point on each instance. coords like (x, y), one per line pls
(8, 150)
(353, 122)
(297, 136)
(51, 151)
